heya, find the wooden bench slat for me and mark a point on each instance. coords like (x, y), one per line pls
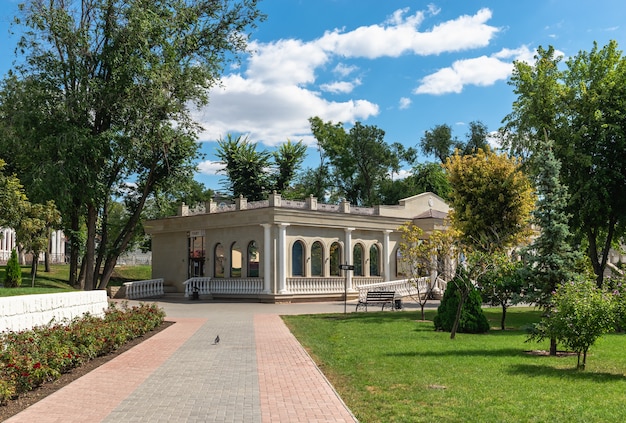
(377, 297)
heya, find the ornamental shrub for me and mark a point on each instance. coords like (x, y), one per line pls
(580, 313)
(13, 273)
(473, 319)
(32, 357)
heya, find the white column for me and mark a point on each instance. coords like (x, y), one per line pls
(282, 258)
(266, 257)
(386, 258)
(348, 256)
(62, 246)
(54, 246)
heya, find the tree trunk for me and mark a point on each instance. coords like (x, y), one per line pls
(126, 234)
(46, 255)
(599, 264)
(463, 296)
(91, 247)
(74, 249)
(33, 270)
(553, 346)
(109, 266)
(503, 316)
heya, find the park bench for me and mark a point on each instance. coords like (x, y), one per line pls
(377, 297)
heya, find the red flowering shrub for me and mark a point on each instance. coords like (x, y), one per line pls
(30, 358)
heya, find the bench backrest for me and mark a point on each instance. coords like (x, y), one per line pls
(381, 295)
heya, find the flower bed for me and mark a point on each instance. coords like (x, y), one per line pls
(30, 358)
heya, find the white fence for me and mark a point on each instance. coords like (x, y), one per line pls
(24, 312)
(144, 289)
(236, 286)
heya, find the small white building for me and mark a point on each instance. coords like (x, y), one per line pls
(282, 250)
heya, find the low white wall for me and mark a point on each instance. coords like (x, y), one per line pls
(24, 312)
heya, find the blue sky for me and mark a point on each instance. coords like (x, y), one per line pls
(404, 66)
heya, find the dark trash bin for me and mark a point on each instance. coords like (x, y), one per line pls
(398, 304)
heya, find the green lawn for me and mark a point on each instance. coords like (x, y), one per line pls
(388, 367)
(57, 279)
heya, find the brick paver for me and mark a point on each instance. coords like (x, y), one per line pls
(258, 373)
(292, 387)
(92, 397)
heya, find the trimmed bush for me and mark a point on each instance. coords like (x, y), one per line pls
(13, 273)
(473, 320)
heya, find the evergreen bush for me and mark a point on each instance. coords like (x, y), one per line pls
(13, 273)
(473, 319)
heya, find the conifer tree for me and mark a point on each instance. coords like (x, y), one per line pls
(550, 256)
(13, 272)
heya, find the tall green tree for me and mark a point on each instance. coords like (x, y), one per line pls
(550, 256)
(245, 167)
(491, 200)
(287, 159)
(476, 138)
(439, 142)
(360, 161)
(101, 105)
(12, 198)
(580, 108)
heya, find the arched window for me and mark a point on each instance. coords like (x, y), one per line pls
(374, 260)
(335, 259)
(218, 260)
(297, 259)
(236, 261)
(317, 259)
(357, 260)
(253, 260)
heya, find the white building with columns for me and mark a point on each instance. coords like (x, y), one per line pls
(284, 250)
(9, 241)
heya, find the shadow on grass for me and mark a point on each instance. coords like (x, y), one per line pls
(503, 352)
(559, 373)
(370, 317)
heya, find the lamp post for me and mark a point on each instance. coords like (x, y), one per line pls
(345, 267)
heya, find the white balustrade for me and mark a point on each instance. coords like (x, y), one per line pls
(315, 285)
(238, 286)
(199, 285)
(144, 289)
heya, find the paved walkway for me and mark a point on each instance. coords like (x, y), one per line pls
(257, 373)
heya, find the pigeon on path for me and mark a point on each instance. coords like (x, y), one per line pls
(217, 340)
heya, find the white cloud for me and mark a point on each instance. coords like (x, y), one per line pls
(272, 113)
(279, 87)
(401, 36)
(344, 70)
(405, 102)
(209, 167)
(480, 71)
(340, 86)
